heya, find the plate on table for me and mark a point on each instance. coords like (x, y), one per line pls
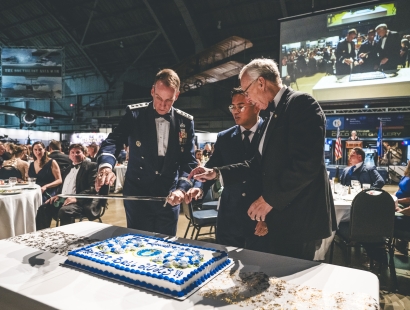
(22, 183)
(4, 185)
(10, 191)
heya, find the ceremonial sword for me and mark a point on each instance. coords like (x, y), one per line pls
(149, 198)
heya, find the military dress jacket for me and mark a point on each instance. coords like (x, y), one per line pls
(144, 175)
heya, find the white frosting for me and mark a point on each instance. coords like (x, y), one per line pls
(173, 262)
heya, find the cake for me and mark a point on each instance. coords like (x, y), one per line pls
(166, 267)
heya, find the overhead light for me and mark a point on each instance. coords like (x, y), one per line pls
(29, 118)
(366, 106)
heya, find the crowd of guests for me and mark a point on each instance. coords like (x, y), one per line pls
(44, 163)
(378, 49)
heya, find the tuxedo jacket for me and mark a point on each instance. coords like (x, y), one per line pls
(144, 175)
(364, 174)
(236, 198)
(371, 60)
(341, 53)
(62, 160)
(391, 50)
(84, 182)
(292, 171)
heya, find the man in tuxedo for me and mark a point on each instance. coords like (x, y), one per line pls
(368, 58)
(62, 159)
(237, 144)
(296, 199)
(389, 48)
(78, 178)
(161, 155)
(365, 174)
(345, 53)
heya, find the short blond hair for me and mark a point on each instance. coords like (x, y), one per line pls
(169, 77)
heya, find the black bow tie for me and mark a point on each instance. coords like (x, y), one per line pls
(165, 116)
(270, 108)
(75, 166)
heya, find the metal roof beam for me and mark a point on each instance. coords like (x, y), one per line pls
(283, 8)
(88, 22)
(38, 34)
(120, 38)
(199, 47)
(74, 41)
(140, 55)
(21, 22)
(154, 16)
(14, 6)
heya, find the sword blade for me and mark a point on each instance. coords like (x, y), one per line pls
(149, 198)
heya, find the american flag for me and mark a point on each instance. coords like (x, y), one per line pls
(338, 146)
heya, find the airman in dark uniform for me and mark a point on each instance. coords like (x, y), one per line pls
(161, 155)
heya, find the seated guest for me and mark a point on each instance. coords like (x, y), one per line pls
(402, 223)
(92, 150)
(16, 153)
(123, 155)
(62, 159)
(359, 171)
(78, 179)
(354, 136)
(45, 170)
(199, 157)
(311, 65)
(207, 152)
(404, 51)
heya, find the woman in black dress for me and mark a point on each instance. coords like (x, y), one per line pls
(45, 170)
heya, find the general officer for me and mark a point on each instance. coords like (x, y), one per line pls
(237, 144)
(161, 156)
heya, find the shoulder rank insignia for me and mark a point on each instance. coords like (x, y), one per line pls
(138, 105)
(188, 116)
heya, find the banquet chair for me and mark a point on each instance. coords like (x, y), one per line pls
(371, 221)
(9, 172)
(199, 219)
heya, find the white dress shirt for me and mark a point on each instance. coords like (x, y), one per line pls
(275, 101)
(358, 166)
(384, 39)
(69, 182)
(162, 135)
(252, 130)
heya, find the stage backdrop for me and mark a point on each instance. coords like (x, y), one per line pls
(32, 73)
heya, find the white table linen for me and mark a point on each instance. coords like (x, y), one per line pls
(18, 212)
(64, 288)
(120, 174)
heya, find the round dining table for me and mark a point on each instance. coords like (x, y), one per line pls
(18, 209)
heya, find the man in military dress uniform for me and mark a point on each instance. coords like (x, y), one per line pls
(161, 156)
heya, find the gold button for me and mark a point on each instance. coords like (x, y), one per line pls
(140, 167)
(142, 157)
(243, 194)
(244, 182)
(156, 172)
(138, 143)
(275, 116)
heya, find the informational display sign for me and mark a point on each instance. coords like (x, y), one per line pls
(365, 122)
(32, 73)
(86, 138)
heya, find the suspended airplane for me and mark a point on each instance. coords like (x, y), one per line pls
(203, 68)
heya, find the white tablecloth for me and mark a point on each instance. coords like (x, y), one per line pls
(18, 212)
(29, 276)
(342, 208)
(120, 174)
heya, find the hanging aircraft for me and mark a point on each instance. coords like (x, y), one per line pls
(206, 67)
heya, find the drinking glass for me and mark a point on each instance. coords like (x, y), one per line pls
(12, 181)
(31, 182)
(366, 186)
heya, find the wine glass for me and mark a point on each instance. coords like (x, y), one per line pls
(12, 181)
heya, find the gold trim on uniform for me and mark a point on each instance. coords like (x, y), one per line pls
(138, 143)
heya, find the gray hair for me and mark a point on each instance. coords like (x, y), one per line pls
(264, 67)
(384, 26)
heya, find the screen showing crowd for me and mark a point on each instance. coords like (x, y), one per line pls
(323, 54)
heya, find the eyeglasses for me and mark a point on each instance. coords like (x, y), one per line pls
(240, 108)
(245, 91)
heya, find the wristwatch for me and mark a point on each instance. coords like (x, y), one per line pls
(218, 173)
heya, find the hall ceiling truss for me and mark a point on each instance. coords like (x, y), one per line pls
(367, 110)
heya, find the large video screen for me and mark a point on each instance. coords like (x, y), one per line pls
(31, 73)
(349, 54)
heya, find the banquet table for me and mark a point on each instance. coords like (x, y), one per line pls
(343, 204)
(31, 276)
(119, 171)
(18, 211)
